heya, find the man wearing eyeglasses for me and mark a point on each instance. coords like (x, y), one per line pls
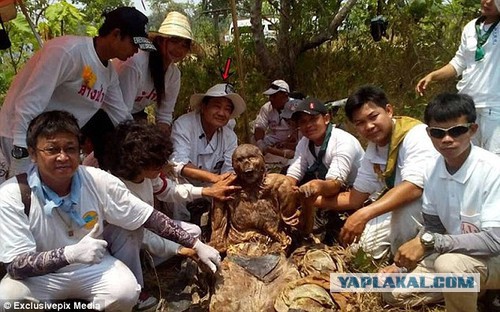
(390, 174)
(460, 208)
(270, 126)
(51, 225)
(72, 73)
(476, 60)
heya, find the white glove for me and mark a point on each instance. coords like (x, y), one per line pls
(208, 255)
(89, 250)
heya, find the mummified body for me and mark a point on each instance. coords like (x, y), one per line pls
(262, 212)
(253, 230)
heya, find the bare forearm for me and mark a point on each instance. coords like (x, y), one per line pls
(343, 201)
(191, 172)
(36, 263)
(259, 134)
(397, 197)
(444, 73)
(166, 228)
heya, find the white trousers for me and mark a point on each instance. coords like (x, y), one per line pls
(488, 135)
(109, 286)
(125, 245)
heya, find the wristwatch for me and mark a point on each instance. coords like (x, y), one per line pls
(19, 152)
(427, 239)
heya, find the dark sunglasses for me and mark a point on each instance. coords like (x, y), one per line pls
(229, 88)
(275, 87)
(453, 132)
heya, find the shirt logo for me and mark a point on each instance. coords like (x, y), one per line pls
(90, 219)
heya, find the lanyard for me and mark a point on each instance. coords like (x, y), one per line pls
(481, 39)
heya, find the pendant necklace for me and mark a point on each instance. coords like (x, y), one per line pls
(68, 225)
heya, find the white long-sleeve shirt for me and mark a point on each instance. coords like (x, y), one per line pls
(164, 189)
(191, 146)
(138, 88)
(53, 80)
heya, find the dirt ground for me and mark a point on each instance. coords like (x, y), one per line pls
(174, 281)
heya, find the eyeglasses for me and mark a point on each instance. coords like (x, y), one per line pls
(453, 132)
(229, 88)
(55, 151)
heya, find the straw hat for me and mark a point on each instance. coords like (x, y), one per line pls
(220, 90)
(177, 25)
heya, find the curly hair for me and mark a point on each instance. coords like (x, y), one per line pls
(136, 146)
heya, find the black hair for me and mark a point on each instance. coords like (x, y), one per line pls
(50, 123)
(129, 20)
(136, 146)
(447, 106)
(365, 94)
(156, 65)
(297, 95)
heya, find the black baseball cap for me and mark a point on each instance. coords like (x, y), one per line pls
(131, 22)
(310, 106)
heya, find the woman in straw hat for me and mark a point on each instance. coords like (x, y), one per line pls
(153, 77)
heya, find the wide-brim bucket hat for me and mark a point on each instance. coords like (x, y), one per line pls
(220, 90)
(177, 25)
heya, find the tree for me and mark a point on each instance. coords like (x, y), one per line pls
(303, 25)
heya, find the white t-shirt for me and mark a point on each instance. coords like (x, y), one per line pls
(479, 79)
(469, 200)
(414, 153)
(138, 88)
(53, 80)
(191, 146)
(103, 198)
(277, 129)
(342, 157)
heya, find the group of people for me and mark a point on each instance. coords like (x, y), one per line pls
(422, 192)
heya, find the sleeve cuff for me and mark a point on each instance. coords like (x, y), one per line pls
(196, 192)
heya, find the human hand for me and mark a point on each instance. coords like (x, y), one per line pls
(224, 178)
(88, 250)
(409, 254)
(208, 255)
(310, 189)
(353, 227)
(222, 190)
(422, 84)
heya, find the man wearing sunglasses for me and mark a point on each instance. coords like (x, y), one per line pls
(477, 62)
(387, 190)
(270, 126)
(461, 197)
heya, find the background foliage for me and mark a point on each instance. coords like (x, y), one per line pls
(317, 56)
